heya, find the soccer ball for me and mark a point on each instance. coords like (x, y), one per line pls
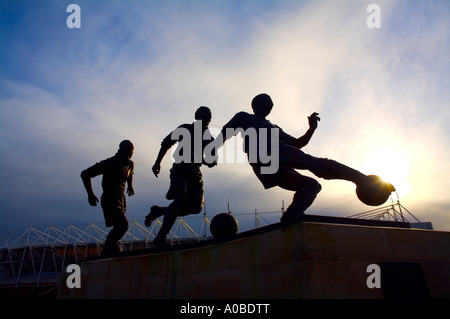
(223, 225)
(373, 191)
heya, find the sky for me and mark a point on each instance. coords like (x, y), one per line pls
(137, 69)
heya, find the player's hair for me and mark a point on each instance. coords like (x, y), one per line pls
(126, 144)
(259, 100)
(201, 112)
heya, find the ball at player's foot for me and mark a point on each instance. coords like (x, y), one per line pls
(373, 191)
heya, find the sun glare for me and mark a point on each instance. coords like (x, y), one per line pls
(392, 167)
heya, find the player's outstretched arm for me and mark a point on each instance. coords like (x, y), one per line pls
(313, 120)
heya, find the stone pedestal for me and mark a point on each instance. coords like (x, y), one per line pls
(303, 260)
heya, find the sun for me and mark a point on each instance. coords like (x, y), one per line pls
(392, 166)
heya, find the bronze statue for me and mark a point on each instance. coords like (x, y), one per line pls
(117, 173)
(186, 181)
(285, 155)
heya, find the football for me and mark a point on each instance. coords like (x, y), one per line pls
(223, 225)
(374, 191)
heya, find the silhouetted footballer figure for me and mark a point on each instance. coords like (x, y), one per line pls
(186, 181)
(290, 158)
(117, 171)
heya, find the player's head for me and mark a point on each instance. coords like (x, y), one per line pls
(262, 104)
(204, 114)
(126, 148)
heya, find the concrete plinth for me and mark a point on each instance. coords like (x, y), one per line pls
(304, 260)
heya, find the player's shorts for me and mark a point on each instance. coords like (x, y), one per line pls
(290, 158)
(186, 186)
(114, 208)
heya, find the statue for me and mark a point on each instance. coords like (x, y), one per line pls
(186, 181)
(288, 157)
(117, 173)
